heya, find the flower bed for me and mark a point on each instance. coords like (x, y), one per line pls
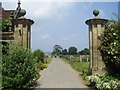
(104, 82)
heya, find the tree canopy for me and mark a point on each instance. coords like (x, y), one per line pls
(64, 52)
(84, 52)
(57, 49)
(72, 50)
(39, 55)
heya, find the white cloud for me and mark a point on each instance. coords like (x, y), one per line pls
(42, 9)
(86, 6)
(70, 37)
(45, 10)
(73, 35)
(102, 13)
(46, 36)
(65, 38)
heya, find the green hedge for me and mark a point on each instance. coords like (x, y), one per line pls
(18, 69)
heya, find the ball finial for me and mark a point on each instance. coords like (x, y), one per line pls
(22, 12)
(96, 12)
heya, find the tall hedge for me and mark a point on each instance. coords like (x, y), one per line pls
(110, 47)
(18, 69)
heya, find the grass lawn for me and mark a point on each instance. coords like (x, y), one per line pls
(81, 67)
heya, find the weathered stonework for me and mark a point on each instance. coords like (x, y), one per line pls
(96, 28)
(20, 33)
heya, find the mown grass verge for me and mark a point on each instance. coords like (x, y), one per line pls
(81, 67)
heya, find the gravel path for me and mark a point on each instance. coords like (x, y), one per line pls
(59, 75)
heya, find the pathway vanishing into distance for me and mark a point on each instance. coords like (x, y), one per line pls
(59, 75)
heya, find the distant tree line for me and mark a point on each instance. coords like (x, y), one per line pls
(58, 50)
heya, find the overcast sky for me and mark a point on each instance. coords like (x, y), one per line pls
(63, 23)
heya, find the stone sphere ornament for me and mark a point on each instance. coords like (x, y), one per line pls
(96, 12)
(22, 12)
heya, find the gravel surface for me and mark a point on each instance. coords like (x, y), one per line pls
(59, 75)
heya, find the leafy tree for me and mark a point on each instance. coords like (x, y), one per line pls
(84, 52)
(72, 50)
(57, 49)
(64, 52)
(110, 46)
(18, 69)
(39, 55)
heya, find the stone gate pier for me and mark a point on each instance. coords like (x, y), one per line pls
(96, 28)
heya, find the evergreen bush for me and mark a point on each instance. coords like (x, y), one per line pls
(18, 69)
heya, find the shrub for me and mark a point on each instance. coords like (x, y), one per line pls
(44, 66)
(110, 47)
(48, 59)
(18, 69)
(104, 82)
(4, 48)
(39, 55)
(5, 25)
(84, 73)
